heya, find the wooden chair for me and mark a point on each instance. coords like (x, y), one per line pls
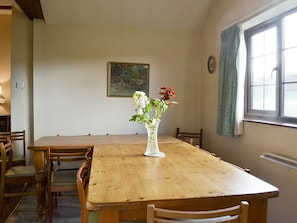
(194, 138)
(13, 175)
(59, 182)
(235, 214)
(73, 165)
(18, 140)
(82, 182)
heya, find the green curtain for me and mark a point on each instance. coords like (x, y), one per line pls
(228, 81)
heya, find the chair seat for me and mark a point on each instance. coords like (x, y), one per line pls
(93, 216)
(74, 165)
(22, 171)
(63, 178)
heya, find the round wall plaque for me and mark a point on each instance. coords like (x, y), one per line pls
(211, 64)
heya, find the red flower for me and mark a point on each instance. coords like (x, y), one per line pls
(167, 93)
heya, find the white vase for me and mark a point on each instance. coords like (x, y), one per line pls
(152, 148)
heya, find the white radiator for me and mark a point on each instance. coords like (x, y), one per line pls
(281, 172)
(280, 160)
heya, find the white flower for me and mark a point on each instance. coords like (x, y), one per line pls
(139, 111)
(149, 111)
(154, 121)
(137, 95)
(140, 101)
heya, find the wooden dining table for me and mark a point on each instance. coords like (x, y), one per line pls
(71, 142)
(123, 181)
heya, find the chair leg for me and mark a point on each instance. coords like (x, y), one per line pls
(55, 199)
(1, 201)
(84, 216)
(50, 207)
(7, 190)
(25, 186)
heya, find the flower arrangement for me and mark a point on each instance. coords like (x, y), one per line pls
(149, 111)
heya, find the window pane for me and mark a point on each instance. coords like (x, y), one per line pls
(269, 98)
(257, 68)
(263, 98)
(270, 65)
(263, 79)
(270, 40)
(290, 68)
(290, 100)
(263, 70)
(290, 33)
(257, 98)
(257, 45)
(264, 43)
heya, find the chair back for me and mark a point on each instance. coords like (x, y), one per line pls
(18, 139)
(88, 157)
(66, 155)
(82, 182)
(6, 155)
(234, 214)
(194, 138)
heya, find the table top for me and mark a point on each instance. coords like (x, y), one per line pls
(90, 140)
(122, 175)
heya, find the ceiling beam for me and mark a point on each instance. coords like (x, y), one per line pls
(5, 7)
(32, 8)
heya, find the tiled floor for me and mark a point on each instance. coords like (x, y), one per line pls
(9, 207)
(68, 211)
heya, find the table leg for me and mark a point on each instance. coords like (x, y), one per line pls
(40, 184)
(109, 216)
(258, 211)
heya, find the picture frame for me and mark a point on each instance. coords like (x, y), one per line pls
(123, 79)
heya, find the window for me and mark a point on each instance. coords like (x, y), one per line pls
(271, 86)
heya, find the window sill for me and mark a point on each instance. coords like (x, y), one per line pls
(288, 125)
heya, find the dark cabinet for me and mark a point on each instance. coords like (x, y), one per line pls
(4, 123)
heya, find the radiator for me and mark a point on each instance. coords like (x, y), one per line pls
(285, 161)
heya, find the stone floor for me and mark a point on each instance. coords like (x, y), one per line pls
(8, 207)
(68, 210)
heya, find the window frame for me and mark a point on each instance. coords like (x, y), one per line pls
(262, 115)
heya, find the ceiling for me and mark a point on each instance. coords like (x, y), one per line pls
(175, 14)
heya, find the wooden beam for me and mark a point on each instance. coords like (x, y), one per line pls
(32, 8)
(5, 7)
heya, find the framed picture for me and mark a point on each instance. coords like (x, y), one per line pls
(126, 78)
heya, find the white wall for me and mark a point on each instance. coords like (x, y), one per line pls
(70, 77)
(21, 71)
(257, 138)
